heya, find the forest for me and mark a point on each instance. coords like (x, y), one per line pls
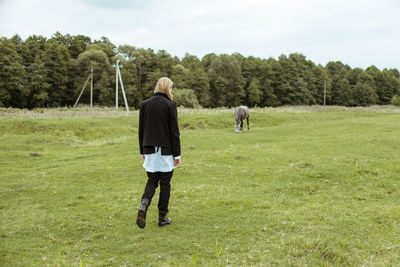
(50, 72)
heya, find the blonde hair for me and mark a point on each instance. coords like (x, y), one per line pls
(164, 85)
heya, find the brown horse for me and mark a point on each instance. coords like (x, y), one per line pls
(241, 113)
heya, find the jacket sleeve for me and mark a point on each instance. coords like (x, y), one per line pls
(140, 132)
(173, 122)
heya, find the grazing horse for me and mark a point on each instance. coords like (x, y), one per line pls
(241, 113)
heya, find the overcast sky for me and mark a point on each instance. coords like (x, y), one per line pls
(357, 32)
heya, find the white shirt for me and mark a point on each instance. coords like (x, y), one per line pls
(156, 162)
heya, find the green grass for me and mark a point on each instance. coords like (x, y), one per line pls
(305, 186)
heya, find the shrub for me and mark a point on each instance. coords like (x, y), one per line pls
(186, 98)
(396, 100)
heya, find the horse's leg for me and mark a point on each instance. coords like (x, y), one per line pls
(241, 125)
(248, 127)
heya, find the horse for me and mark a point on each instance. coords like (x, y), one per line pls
(241, 113)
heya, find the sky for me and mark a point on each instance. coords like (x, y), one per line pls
(359, 33)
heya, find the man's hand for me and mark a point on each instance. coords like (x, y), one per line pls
(143, 157)
(177, 162)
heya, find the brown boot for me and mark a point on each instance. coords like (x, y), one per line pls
(141, 218)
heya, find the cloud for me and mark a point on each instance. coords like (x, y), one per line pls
(119, 4)
(321, 30)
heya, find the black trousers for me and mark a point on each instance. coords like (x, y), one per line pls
(164, 178)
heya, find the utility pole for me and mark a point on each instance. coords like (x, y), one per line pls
(116, 84)
(118, 76)
(91, 87)
(324, 93)
(83, 89)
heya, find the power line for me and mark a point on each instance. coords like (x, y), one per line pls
(59, 67)
(46, 67)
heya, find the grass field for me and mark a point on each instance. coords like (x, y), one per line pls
(305, 186)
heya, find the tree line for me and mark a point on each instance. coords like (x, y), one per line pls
(50, 72)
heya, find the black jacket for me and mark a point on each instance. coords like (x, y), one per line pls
(158, 126)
